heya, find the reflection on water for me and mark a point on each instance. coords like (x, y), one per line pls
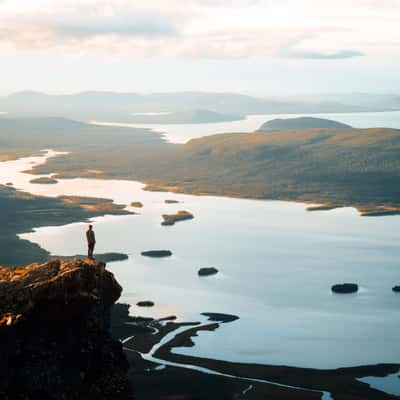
(181, 133)
(277, 263)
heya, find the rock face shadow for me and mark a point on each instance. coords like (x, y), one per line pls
(54, 333)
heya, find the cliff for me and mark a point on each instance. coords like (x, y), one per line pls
(54, 337)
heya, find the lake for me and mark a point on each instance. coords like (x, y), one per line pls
(181, 133)
(276, 265)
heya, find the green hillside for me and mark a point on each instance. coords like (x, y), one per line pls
(301, 123)
(358, 167)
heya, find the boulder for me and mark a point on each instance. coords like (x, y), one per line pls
(396, 289)
(137, 204)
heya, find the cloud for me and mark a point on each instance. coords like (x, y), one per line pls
(209, 29)
(67, 24)
(135, 24)
(291, 50)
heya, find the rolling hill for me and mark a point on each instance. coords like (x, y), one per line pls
(359, 167)
(301, 123)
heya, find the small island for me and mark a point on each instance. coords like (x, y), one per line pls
(379, 211)
(171, 219)
(322, 207)
(345, 288)
(104, 257)
(168, 201)
(96, 204)
(219, 317)
(207, 271)
(157, 253)
(137, 204)
(44, 181)
(146, 303)
(302, 123)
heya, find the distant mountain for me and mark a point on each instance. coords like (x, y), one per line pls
(184, 117)
(62, 133)
(301, 123)
(371, 100)
(113, 106)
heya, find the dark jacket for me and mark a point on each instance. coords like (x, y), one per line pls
(90, 236)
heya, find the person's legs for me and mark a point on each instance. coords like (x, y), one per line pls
(90, 250)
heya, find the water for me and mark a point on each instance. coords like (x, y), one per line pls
(389, 384)
(181, 133)
(150, 356)
(277, 263)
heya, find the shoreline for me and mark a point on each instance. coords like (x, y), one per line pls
(156, 349)
(28, 211)
(316, 204)
(323, 203)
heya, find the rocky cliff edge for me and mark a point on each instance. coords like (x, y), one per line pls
(54, 333)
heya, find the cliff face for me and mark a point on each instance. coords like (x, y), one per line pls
(54, 338)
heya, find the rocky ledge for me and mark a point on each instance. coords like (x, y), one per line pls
(54, 333)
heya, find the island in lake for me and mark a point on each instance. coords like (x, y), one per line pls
(171, 219)
(44, 181)
(301, 123)
(157, 253)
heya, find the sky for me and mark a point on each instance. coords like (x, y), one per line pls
(262, 47)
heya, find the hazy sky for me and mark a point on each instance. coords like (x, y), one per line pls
(264, 47)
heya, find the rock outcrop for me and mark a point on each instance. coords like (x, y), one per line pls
(54, 333)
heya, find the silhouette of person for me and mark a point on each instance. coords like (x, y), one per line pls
(91, 240)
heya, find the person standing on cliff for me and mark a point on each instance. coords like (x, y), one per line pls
(91, 240)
